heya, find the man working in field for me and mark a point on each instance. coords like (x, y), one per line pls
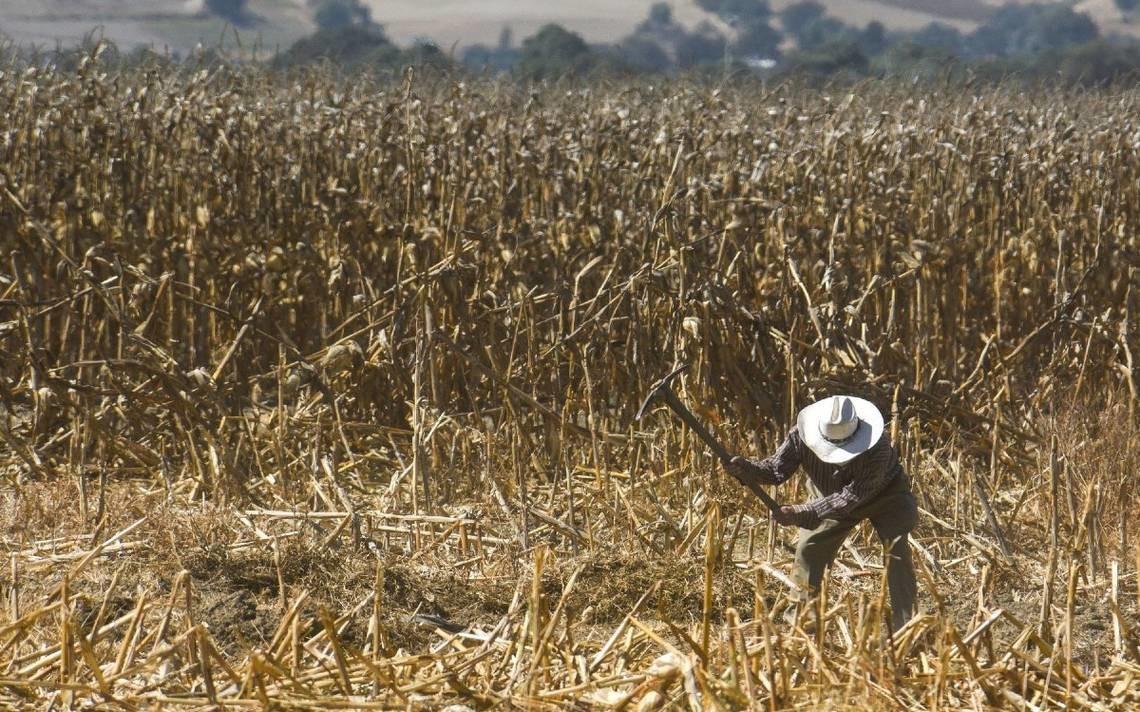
(840, 444)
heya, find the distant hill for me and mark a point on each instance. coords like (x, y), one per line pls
(465, 21)
(178, 25)
(181, 24)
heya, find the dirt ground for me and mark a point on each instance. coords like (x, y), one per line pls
(240, 587)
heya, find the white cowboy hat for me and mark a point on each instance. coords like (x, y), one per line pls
(837, 429)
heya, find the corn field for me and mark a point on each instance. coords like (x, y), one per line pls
(319, 394)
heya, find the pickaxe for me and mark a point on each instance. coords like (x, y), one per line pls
(663, 390)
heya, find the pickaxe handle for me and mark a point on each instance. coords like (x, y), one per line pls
(695, 425)
(766, 498)
(719, 450)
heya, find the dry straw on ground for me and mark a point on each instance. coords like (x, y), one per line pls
(319, 393)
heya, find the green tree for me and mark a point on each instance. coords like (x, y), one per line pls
(939, 36)
(642, 54)
(1099, 64)
(702, 47)
(824, 31)
(799, 15)
(554, 51)
(353, 46)
(660, 15)
(650, 47)
(423, 53)
(757, 39)
(1016, 30)
(873, 38)
(338, 14)
(838, 57)
(660, 26)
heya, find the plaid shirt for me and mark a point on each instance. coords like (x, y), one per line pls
(844, 487)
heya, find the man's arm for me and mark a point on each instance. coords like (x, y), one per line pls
(774, 469)
(874, 470)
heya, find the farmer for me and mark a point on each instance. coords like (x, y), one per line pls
(840, 444)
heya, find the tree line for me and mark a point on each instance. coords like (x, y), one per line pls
(1036, 41)
(1040, 41)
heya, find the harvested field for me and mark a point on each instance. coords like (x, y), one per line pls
(320, 394)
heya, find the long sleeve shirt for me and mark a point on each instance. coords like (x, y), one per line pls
(843, 487)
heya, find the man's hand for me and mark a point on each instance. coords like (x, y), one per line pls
(789, 516)
(785, 515)
(742, 469)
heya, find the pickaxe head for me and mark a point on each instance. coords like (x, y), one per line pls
(659, 389)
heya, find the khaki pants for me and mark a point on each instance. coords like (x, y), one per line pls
(894, 514)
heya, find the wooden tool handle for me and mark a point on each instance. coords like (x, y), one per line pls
(720, 451)
(764, 496)
(695, 425)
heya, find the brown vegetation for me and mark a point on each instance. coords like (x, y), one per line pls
(297, 374)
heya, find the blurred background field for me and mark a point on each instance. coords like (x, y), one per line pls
(177, 23)
(1083, 43)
